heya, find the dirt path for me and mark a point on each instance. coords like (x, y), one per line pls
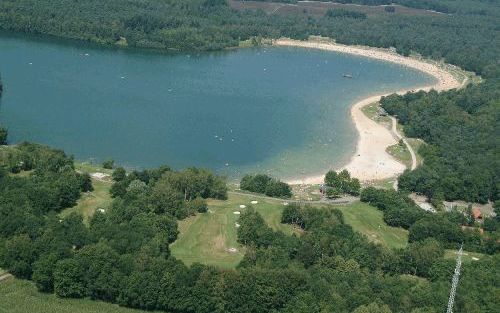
(398, 135)
(5, 276)
(343, 200)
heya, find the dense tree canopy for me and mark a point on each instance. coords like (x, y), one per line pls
(461, 131)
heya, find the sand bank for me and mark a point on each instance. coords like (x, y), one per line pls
(371, 161)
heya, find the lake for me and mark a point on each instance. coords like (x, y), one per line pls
(283, 111)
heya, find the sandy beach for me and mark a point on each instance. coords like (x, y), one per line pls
(371, 161)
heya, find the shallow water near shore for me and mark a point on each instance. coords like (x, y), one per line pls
(283, 111)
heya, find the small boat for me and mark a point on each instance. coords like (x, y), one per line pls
(347, 75)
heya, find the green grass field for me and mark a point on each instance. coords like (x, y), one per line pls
(207, 238)
(91, 168)
(400, 153)
(91, 201)
(20, 296)
(368, 220)
(372, 112)
(98, 198)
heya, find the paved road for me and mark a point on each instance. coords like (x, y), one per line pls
(343, 200)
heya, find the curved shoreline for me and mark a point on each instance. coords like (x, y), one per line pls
(371, 161)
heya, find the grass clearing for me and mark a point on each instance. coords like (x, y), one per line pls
(91, 201)
(467, 257)
(400, 153)
(21, 296)
(372, 111)
(99, 198)
(387, 183)
(306, 192)
(369, 221)
(206, 238)
(87, 167)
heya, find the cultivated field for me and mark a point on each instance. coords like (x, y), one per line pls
(21, 296)
(319, 9)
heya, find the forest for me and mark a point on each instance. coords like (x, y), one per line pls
(467, 38)
(122, 255)
(461, 130)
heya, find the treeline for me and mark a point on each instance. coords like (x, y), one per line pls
(338, 267)
(211, 25)
(461, 131)
(334, 13)
(445, 227)
(3, 130)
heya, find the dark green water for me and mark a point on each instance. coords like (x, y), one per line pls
(279, 110)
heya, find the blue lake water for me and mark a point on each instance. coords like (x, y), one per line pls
(284, 111)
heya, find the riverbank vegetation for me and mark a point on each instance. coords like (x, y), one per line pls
(261, 183)
(341, 183)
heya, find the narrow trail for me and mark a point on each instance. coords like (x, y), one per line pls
(399, 137)
(395, 132)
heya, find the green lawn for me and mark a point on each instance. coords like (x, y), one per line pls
(400, 153)
(90, 201)
(98, 198)
(206, 238)
(91, 168)
(372, 112)
(368, 220)
(20, 296)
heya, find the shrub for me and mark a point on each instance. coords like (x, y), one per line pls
(108, 164)
(262, 183)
